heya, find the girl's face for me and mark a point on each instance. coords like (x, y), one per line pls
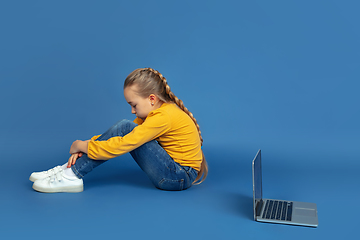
(140, 106)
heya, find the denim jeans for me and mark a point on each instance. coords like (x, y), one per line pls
(162, 170)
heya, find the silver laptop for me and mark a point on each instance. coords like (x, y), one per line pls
(279, 211)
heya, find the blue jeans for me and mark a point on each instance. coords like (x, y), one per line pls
(162, 170)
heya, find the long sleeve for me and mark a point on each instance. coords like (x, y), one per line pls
(95, 137)
(156, 124)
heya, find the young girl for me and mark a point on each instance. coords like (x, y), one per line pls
(164, 140)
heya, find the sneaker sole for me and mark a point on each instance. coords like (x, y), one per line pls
(69, 189)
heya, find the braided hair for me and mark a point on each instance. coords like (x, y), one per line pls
(150, 81)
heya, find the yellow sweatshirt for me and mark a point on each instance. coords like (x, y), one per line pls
(169, 125)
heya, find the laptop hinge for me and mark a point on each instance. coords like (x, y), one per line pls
(259, 207)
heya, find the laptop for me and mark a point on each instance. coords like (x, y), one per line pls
(279, 211)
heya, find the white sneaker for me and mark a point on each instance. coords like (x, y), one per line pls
(44, 174)
(59, 182)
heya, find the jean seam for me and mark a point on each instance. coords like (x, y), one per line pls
(190, 173)
(76, 172)
(180, 182)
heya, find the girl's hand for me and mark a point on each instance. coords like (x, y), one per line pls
(79, 146)
(73, 158)
(77, 149)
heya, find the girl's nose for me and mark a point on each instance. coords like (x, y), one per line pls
(133, 111)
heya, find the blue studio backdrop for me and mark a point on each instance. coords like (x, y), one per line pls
(279, 75)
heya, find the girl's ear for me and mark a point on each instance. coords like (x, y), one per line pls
(152, 97)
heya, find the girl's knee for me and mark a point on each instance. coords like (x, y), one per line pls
(125, 125)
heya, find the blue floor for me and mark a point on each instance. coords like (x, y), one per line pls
(278, 75)
(119, 201)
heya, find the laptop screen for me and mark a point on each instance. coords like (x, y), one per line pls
(257, 182)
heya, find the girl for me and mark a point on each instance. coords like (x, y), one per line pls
(164, 140)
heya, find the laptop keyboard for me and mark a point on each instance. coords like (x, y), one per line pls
(278, 210)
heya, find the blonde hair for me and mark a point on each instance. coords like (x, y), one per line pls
(150, 81)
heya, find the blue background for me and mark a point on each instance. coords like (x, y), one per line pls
(282, 76)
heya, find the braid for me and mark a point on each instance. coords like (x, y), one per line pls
(176, 99)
